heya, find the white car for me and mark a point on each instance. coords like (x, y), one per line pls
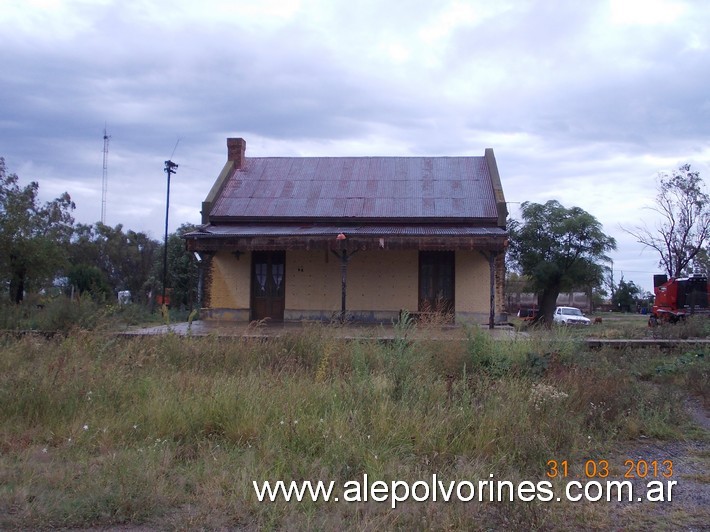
(570, 316)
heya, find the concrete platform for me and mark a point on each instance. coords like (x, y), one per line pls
(597, 343)
(347, 332)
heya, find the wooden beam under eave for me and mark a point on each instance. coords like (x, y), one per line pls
(497, 244)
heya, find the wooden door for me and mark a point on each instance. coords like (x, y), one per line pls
(268, 280)
(436, 281)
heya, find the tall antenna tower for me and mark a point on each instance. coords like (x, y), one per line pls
(104, 182)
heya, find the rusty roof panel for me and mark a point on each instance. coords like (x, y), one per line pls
(258, 208)
(359, 171)
(326, 207)
(428, 207)
(311, 204)
(400, 169)
(456, 188)
(268, 188)
(297, 188)
(469, 190)
(387, 187)
(355, 189)
(387, 207)
(368, 207)
(277, 170)
(382, 189)
(239, 205)
(323, 189)
(282, 206)
(287, 190)
(230, 188)
(245, 189)
(427, 187)
(442, 189)
(371, 189)
(353, 207)
(342, 185)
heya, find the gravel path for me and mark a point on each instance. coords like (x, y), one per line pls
(690, 506)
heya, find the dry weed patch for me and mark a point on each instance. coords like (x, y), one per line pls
(171, 431)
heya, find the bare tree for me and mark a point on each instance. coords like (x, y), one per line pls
(684, 225)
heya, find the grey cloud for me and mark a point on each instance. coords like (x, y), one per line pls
(571, 107)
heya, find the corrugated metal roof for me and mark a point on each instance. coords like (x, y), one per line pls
(255, 230)
(358, 187)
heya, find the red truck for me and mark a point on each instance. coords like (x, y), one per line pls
(677, 298)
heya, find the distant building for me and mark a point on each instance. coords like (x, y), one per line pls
(304, 238)
(528, 300)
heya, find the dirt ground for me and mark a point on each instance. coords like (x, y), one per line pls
(689, 509)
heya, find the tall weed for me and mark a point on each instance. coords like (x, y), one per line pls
(100, 431)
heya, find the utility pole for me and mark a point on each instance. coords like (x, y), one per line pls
(104, 181)
(170, 168)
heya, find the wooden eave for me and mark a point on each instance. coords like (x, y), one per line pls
(433, 243)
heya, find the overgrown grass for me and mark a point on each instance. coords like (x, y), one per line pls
(626, 325)
(58, 314)
(62, 314)
(171, 431)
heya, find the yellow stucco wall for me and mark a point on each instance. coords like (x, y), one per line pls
(377, 280)
(472, 282)
(383, 282)
(229, 287)
(312, 280)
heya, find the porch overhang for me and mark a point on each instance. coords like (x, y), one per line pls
(254, 237)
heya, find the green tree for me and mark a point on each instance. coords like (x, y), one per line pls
(557, 249)
(84, 278)
(684, 226)
(124, 258)
(701, 262)
(626, 296)
(33, 237)
(182, 270)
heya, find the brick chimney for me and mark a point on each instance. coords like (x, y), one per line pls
(236, 148)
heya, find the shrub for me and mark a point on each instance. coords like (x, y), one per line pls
(98, 431)
(58, 314)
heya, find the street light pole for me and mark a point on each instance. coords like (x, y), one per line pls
(170, 168)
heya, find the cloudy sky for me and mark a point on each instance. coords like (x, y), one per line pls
(583, 102)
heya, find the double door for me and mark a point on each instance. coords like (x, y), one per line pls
(268, 280)
(436, 281)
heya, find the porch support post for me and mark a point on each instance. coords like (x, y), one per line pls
(200, 283)
(491, 256)
(202, 265)
(344, 282)
(344, 257)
